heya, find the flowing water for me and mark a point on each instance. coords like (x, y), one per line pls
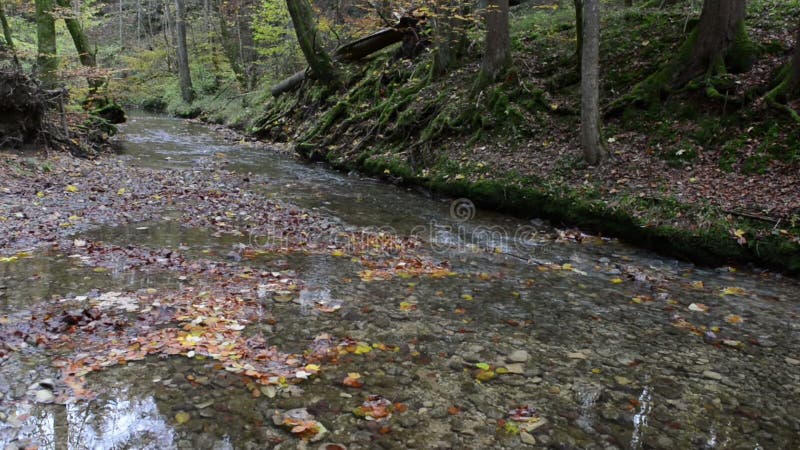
(588, 343)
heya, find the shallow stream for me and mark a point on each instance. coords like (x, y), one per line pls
(538, 336)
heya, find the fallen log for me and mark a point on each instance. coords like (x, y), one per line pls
(368, 45)
(356, 50)
(289, 84)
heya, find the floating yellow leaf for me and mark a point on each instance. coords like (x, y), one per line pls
(616, 280)
(182, 417)
(733, 291)
(71, 188)
(40, 194)
(121, 191)
(734, 318)
(466, 297)
(337, 253)
(406, 306)
(362, 348)
(597, 371)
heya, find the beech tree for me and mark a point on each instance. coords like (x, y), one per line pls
(718, 44)
(594, 150)
(184, 75)
(46, 58)
(497, 56)
(307, 36)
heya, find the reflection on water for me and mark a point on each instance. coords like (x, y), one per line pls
(640, 418)
(120, 422)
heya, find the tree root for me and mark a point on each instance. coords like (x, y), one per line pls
(783, 92)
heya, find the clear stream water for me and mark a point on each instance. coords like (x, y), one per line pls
(604, 363)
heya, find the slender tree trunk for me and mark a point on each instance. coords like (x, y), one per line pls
(594, 150)
(185, 78)
(307, 36)
(46, 58)
(168, 35)
(721, 26)
(9, 40)
(229, 47)
(795, 76)
(497, 56)
(449, 37)
(121, 39)
(578, 32)
(85, 53)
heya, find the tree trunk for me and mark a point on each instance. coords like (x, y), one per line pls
(718, 43)
(449, 34)
(229, 46)
(46, 58)
(307, 36)
(594, 150)
(720, 30)
(795, 68)
(85, 53)
(497, 56)
(9, 40)
(788, 84)
(578, 32)
(185, 78)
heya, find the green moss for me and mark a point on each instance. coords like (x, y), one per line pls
(743, 52)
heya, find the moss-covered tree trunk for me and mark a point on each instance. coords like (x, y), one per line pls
(184, 75)
(718, 44)
(497, 55)
(788, 84)
(46, 58)
(8, 39)
(594, 150)
(85, 53)
(308, 37)
(719, 41)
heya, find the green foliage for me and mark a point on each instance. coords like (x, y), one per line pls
(272, 30)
